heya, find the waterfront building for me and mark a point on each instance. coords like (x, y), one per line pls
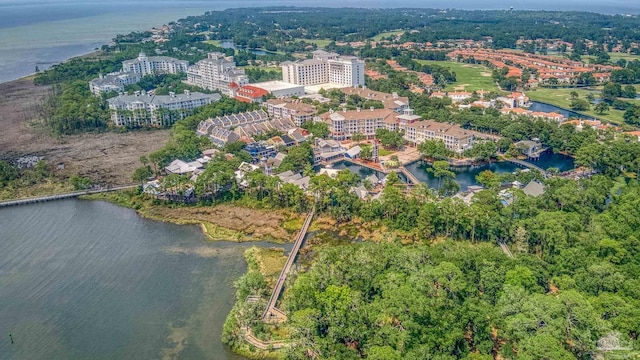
(142, 108)
(323, 68)
(343, 124)
(112, 82)
(217, 72)
(291, 109)
(453, 136)
(150, 65)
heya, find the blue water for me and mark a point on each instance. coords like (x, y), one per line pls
(466, 175)
(90, 280)
(536, 106)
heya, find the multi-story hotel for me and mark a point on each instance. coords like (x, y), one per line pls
(324, 68)
(290, 109)
(217, 72)
(452, 135)
(343, 124)
(112, 82)
(145, 109)
(145, 65)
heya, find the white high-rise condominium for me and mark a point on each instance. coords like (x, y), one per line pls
(145, 65)
(216, 72)
(325, 67)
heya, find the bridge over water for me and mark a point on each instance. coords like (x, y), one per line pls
(68, 195)
(528, 165)
(272, 313)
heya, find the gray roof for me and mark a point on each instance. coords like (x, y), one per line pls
(534, 188)
(123, 100)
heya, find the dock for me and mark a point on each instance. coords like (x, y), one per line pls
(69, 195)
(272, 313)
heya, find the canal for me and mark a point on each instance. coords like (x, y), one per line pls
(466, 175)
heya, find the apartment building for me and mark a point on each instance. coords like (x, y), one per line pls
(343, 124)
(144, 65)
(230, 128)
(217, 72)
(147, 109)
(323, 68)
(290, 109)
(112, 82)
(452, 135)
(389, 101)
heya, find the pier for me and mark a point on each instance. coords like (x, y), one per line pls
(271, 313)
(69, 195)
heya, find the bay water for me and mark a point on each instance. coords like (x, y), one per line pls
(91, 280)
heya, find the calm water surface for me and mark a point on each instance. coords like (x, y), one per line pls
(90, 280)
(536, 106)
(466, 175)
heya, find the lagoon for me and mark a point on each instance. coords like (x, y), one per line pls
(466, 175)
(90, 280)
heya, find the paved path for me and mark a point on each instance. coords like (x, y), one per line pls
(414, 180)
(271, 311)
(527, 164)
(69, 195)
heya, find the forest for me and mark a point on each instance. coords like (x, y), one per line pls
(277, 25)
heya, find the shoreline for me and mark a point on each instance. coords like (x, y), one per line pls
(32, 75)
(224, 222)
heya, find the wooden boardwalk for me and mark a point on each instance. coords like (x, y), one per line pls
(271, 313)
(505, 249)
(33, 200)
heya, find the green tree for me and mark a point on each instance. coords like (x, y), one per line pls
(601, 108)
(440, 169)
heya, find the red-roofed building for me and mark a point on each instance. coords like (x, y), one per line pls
(250, 94)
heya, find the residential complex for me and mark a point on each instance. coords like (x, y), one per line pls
(217, 72)
(291, 109)
(145, 65)
(548, 69)
(324, 68)
(147, 109)
(134, 70)
(220, 131)
(389, 101)
(112, 82)
(453, 136)
(343, 124)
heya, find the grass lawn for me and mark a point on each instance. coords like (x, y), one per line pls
(384, 152)
(472, 77)
(321, 43)
(213, 42)
(387, 34)
(562, 98)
